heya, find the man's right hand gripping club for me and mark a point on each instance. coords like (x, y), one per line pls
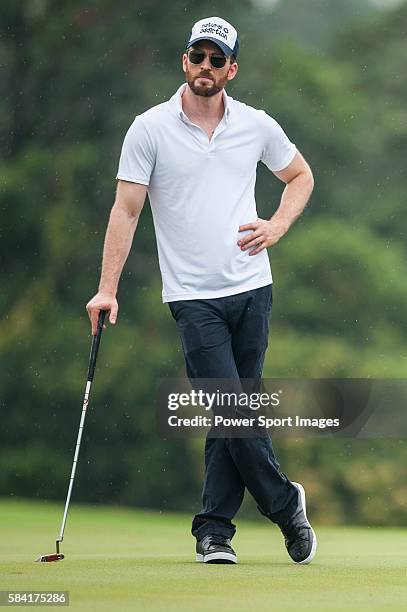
(100, 302)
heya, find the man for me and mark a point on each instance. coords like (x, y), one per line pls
(196, 155)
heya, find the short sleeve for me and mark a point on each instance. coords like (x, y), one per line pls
(278, 151)
(137, 157)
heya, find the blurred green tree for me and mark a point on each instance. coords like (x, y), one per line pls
(72, 78)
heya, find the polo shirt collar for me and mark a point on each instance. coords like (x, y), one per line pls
(176, 98)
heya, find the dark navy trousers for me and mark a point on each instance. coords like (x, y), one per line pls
(227, 338)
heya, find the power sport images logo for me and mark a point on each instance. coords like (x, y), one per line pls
(214, 28)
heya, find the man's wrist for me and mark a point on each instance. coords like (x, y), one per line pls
(279, 226)
(107, 291)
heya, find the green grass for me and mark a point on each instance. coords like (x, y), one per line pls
(118, 559)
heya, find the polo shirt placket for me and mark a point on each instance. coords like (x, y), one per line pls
(208, 144)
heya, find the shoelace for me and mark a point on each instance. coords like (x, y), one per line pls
(296, 533)
(218, 539)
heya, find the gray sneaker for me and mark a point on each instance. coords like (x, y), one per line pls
(215, 549)
(300, 538)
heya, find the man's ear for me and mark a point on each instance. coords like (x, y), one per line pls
(233, 71)
(184, 62)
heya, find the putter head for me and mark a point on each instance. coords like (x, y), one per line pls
(51, 557)
(56, 556)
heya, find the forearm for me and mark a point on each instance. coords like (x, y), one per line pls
(293, 201)
(118, 241)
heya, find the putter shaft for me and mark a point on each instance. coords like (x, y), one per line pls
(91, 370)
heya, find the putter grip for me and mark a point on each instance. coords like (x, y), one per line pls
(95, 345)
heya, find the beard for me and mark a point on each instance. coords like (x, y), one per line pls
(206, 89)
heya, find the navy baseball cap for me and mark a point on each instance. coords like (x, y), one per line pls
(216, 30)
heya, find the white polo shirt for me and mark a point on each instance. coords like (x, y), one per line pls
(201, 191)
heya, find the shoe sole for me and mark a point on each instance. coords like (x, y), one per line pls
(216, 558)
(314, 540)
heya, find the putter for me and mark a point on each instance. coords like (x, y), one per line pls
(58, 556)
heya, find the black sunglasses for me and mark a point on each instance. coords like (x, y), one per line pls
(197, 57)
